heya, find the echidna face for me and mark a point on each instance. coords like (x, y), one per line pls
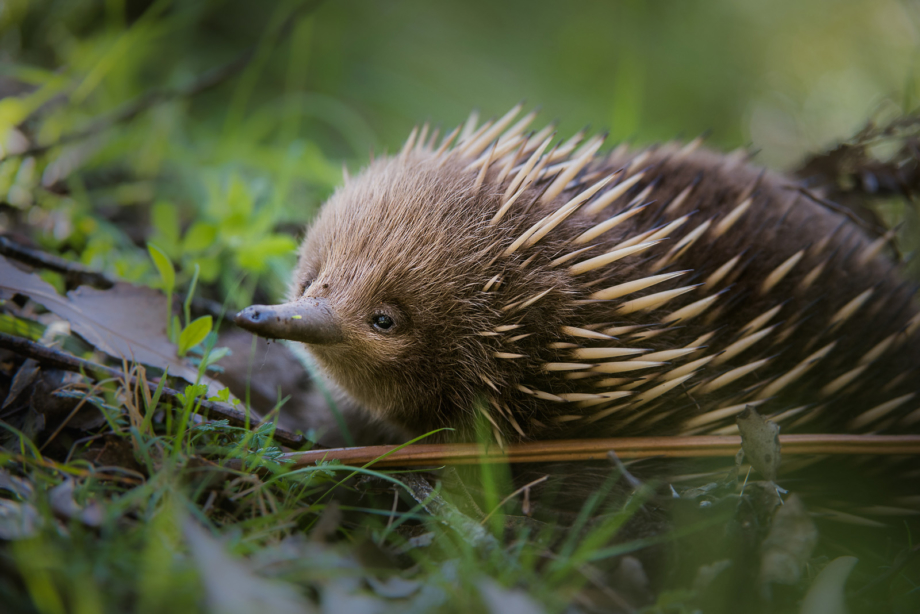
(388, 255)
(559, 292)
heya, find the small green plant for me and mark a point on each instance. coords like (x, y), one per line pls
(168, 278)
(195, 331)
(232, 236)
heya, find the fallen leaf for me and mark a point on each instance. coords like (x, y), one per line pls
(53, 398)
(340, 596)
(419, 541)
(126, 321)
(22, 380)
(53, 335)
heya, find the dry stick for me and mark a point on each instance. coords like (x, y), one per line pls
(470, 530)
(76, 274)
(429, 455)
(393, 509)
(69, 362)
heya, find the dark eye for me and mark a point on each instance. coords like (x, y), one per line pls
(306, 285)
(381, 321)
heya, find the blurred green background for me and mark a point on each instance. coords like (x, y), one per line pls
(108, 141)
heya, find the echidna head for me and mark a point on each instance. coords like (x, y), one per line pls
(387, 293)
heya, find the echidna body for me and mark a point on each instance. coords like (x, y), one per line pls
(557, 292)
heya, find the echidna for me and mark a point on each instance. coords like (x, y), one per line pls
(556, 291)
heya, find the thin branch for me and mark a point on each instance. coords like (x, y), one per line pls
(69, 362)
(75, 274)
(431, 455)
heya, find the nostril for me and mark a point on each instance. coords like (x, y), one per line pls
(256, 315)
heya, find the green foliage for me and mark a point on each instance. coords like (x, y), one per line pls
(164, 267)
(11, 325)
(223, 396)
(194, 333)
(210, 198)
(168, 278)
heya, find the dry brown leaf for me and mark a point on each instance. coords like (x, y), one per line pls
(126, 321)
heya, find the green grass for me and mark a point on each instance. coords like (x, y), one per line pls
(125, 543)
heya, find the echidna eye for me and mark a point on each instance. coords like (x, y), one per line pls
(306, 285)
(383, 322)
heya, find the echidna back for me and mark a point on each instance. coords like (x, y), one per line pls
(808, 316)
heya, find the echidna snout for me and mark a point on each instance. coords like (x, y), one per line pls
(553, 291)
(310, 321)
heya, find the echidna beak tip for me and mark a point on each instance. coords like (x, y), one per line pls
(309, 320)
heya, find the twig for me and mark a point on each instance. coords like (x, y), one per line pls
(632, 480)
(393, 509)
(69, 362)
(432, 455)
(76, 274)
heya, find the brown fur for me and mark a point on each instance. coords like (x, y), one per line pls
(410, 237)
